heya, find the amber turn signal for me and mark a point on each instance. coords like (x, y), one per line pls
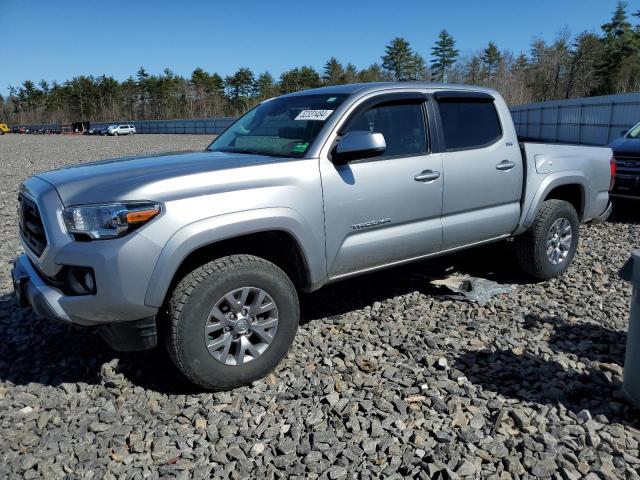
(138, 216)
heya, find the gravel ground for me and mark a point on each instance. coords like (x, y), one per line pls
(387, 378)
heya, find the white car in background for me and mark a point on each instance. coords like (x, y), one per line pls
(116, 130)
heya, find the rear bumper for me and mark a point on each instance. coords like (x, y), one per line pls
(625, 196)
(604, 215)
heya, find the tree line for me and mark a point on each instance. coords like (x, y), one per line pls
(587, 64)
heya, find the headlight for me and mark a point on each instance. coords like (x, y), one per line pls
(109, 220)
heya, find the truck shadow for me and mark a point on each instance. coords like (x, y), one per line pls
(625, 211)
(41, 351)
(356, 293)
(36, 350)
(587, 341)
(530, 378)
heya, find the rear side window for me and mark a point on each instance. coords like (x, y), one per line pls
(469, 123)
(401, 124)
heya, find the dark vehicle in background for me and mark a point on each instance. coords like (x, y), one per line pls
(626, 151)
(80, 127)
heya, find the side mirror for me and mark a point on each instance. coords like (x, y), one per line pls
(359, 144)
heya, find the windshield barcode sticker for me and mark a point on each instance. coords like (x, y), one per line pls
(314, 115)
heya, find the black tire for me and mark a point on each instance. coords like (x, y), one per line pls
(531, 247)
(192, 301)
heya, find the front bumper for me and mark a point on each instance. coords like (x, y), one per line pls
(626, 186)
(108, 306)
(31, 290)
(122, 269)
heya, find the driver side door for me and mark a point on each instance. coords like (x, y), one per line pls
(384, 210)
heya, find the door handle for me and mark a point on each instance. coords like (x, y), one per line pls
(505, 165)
(427, 176)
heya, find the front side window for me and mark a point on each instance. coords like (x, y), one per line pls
(401, 124)
(282, 127)
(469, 123)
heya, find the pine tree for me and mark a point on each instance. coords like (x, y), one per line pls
(398, 59)
(142, 75)
(418, 68)
(143, 89)
(581, 78)
(491, 59)
(373, 73)
(240, 83)
(350, 74)
(618, 70)
(298, 79)
(473, 70)
(444, 56)
(619, 24)
(521, 63)
(333, 72)
(265, 86)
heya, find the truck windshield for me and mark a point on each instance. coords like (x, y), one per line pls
(282, 127)
(634, 132)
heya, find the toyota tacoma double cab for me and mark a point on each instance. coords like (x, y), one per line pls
(212, 248)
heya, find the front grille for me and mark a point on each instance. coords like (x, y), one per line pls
(31, 227)
(628, 164)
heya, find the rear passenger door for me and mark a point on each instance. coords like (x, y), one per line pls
(483, 170)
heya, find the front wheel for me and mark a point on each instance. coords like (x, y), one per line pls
(546, 250)
(231, 321)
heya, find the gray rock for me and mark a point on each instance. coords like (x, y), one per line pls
(380, 382)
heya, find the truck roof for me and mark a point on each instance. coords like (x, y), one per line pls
(363, 88)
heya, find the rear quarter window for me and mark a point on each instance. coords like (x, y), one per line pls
(469, 123)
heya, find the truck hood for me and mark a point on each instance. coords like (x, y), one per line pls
(626, 147)
(128, 178)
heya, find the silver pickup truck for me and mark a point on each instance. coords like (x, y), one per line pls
(211, 248)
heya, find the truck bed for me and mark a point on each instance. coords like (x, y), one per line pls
(548, 165)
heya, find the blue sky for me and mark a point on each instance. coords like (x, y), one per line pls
(58, 40)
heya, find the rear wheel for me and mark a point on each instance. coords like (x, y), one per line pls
(231, 321)
(546, 250)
